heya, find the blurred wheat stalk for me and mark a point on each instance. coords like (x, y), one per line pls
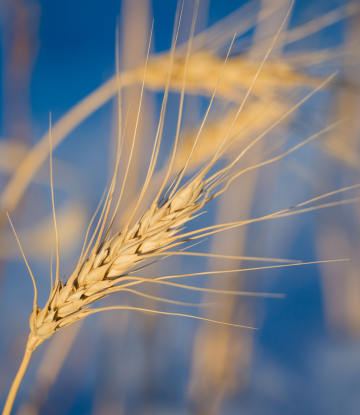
(342, 295)
(279, 77)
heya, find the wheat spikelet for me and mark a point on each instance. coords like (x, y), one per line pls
(103, 269)
(108, 264)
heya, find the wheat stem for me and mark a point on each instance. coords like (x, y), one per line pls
(15, 385)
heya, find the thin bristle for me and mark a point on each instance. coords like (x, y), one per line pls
(145, 310)
(53, 208)
(27, 264)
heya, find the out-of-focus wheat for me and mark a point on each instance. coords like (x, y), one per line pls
(202, 78)
(342, 296)
(208, 41)
(222, 357)
(255, 118)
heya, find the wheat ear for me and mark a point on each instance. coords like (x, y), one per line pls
(111, 258)
(108, 260)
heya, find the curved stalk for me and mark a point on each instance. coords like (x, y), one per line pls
(15, 385)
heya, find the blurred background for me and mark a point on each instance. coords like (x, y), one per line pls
(59, 57)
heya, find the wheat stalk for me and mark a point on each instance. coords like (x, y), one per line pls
(107, 262)
(112, 258)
